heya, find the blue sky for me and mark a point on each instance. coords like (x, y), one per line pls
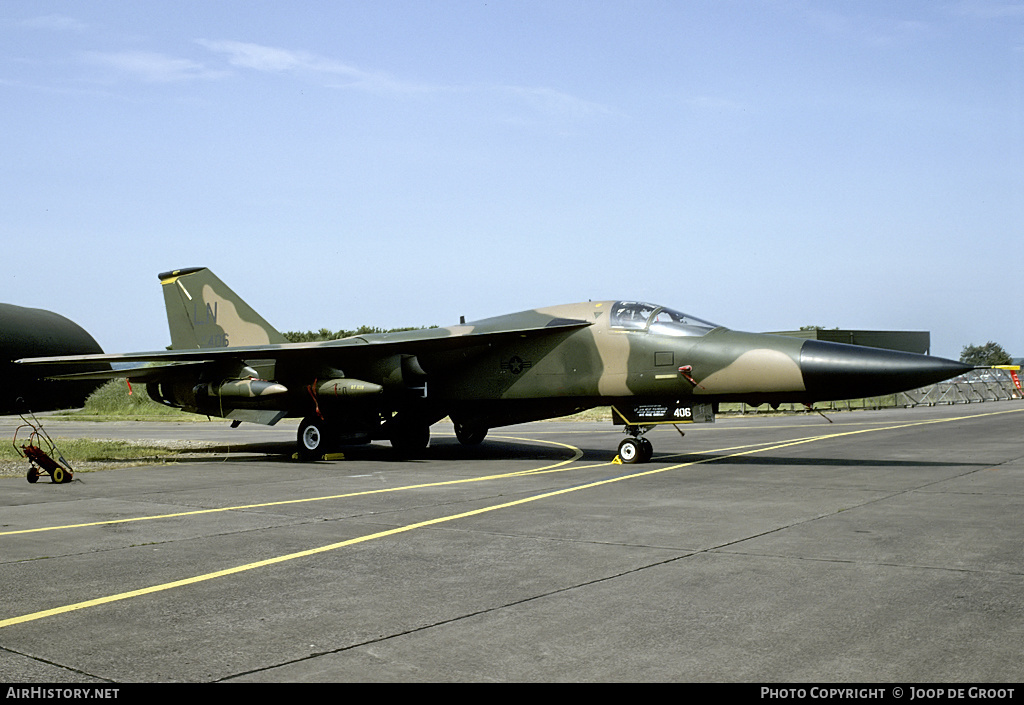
(762, 164)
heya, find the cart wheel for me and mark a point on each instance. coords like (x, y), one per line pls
(57, 475)
(33, 475)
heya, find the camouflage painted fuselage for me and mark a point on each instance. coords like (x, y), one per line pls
(607, 363)
(603, 361)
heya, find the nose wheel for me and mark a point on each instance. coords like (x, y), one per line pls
(636, 448)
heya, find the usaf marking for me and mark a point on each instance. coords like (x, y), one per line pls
(515, 365)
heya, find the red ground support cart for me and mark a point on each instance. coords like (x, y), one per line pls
(42, 461)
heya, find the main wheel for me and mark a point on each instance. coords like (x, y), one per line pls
(646, 450)
(314, 436)
(470, 434)
(630, 451)
(409, 437)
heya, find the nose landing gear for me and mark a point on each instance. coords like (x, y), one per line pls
(636, 448)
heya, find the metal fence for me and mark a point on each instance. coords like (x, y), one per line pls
(970, 388)
(975, 386)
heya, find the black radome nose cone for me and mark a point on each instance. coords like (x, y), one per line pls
(840, 371)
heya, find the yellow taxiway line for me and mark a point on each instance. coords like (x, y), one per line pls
(577, 454)
(33, 616)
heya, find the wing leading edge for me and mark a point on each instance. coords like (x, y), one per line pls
(418, 342)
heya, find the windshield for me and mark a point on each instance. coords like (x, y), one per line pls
(637, 315)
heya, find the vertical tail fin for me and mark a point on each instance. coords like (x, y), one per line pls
(203, 312)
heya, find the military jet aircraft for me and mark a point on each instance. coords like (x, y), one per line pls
(649, 363)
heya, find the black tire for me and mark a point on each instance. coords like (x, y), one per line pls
(409, 437)
(33, 475)
(630, 451)
(646, 450)
(313, 439)
(470, 434)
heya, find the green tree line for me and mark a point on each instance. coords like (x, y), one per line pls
(326, 334)
(988, 354)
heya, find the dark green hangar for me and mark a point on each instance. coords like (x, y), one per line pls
(33, 332)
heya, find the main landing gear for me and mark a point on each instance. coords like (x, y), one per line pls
(317, 437)
(312, 438)
(409, 435)
(469, 433)
(636, 448)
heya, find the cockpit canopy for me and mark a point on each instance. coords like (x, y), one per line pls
(636, 315)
